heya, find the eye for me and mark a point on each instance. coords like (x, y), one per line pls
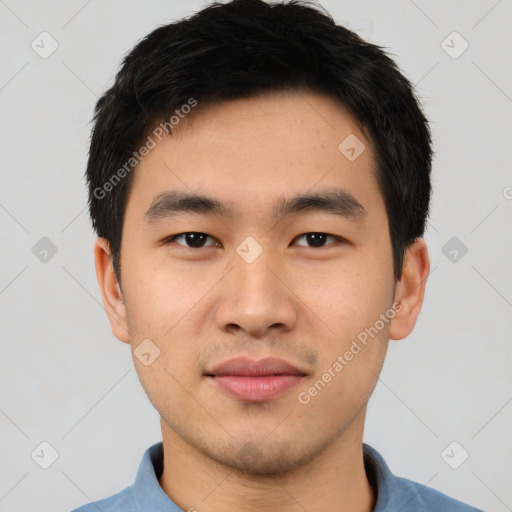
(191, 239)
(198, 240)
(317, 239)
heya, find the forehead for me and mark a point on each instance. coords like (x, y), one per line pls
(249, 152)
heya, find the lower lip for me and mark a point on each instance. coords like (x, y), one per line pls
(257, 389)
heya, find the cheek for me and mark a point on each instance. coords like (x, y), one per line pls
(167, 306)
(350, 298)
(158, 297)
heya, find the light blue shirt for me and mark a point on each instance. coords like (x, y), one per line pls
(394, 494)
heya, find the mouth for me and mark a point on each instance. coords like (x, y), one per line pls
(255, 380)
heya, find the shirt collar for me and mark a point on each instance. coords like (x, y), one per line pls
(380, 477)
(147, 493)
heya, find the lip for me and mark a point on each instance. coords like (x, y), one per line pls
(255, 380)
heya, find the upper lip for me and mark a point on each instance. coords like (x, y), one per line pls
(246, 367)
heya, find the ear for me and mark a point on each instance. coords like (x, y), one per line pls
(410, 290)
(111, 293)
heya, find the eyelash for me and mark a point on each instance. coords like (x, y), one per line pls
(172, 239)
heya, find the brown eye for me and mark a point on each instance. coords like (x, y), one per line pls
(192, 239)
(316, 239)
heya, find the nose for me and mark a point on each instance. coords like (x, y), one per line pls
(256, 298)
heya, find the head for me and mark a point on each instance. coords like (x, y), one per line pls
(259, 180)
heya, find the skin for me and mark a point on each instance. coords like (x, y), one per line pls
(304, 304)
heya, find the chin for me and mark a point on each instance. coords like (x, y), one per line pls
(273, 459)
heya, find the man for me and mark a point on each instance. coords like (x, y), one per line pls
(259, 182)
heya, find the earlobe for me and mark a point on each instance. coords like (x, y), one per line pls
(111, 292)
(410, 290)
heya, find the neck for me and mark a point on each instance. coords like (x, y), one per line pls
(334, 480)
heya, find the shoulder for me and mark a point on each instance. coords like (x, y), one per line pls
(145, 492)
(417, 497)
(122, 501)
(397, 493)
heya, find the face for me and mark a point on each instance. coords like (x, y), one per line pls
(270, 300)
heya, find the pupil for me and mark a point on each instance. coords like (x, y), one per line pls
(195, 239)
(316, 239)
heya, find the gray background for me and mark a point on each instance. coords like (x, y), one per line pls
(67, 381)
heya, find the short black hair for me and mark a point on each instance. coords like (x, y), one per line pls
(244, 48)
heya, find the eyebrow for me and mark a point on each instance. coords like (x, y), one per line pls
(335, 201)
